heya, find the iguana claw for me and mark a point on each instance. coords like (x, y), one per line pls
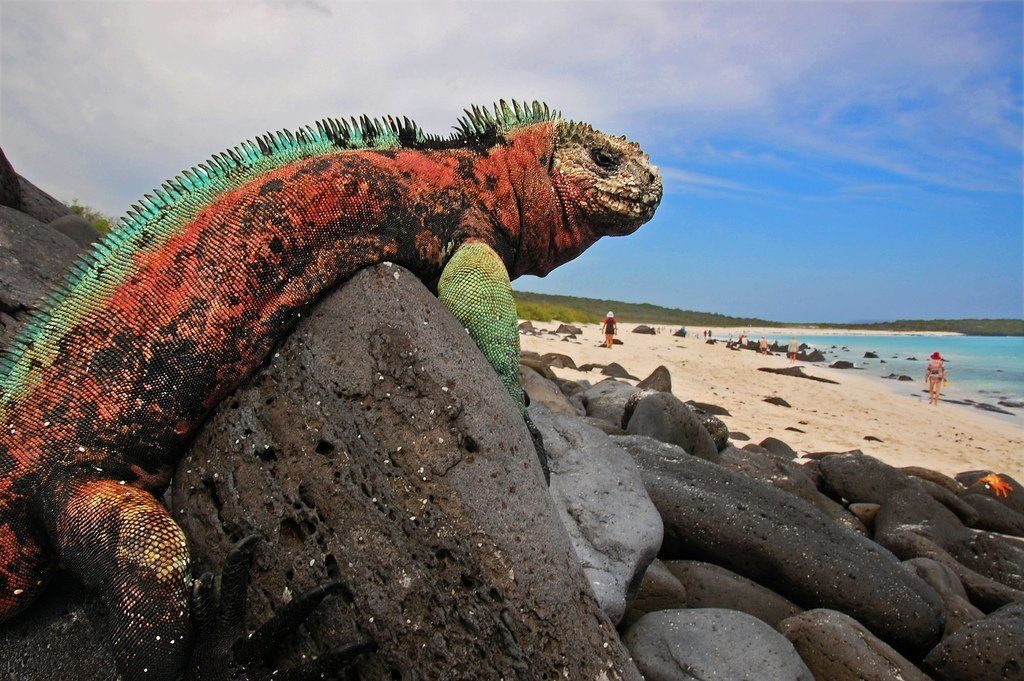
(224, 652)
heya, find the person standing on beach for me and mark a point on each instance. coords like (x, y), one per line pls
(935, 377)
(793, 348)
(763, 346)
(609, 326)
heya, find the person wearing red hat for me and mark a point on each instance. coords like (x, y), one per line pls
(935, 377)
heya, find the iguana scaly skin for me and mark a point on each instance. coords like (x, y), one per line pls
(101, 394)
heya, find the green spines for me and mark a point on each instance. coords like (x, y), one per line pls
(162, 214)
(480, 122)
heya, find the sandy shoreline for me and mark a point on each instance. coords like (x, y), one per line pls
(949, 438)
(723, 332)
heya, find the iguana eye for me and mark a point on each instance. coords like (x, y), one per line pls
(604, 158)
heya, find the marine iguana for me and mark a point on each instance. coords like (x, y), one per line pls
(101, 393)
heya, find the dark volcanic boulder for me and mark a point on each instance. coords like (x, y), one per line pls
(812, 356)
(665, 417)
(379, 448)
(659, 590)
(614, 527)
(38, 204)
(569, 328)
(32, 261)
(998, 486)
(912, 524)
(526, 326)
(841, 364)
(705, 408)
(711, 586)
(797, 372)
(717, 429)
(870, 355)
(546, 392)
(10, 190)
(934, 476)
(643, 328)
(959, 610)
(865, 479)
(788, 546)
(778, 401)
(616, 370)
(779, 448)
(991, 649)
(557, 359)
(708, 643)
(789, 476)
(660, 380)
(994, 516)
(76, 228)
(539, 365)
(837, 647)
(607, 400)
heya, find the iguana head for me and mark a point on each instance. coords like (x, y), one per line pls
(590, 184)
(608, 180)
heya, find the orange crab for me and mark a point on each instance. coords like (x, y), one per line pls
(1000, 487)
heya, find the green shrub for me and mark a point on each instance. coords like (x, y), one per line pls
(546, 312)
(100, 222)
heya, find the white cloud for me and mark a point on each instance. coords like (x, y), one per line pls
(105, 100)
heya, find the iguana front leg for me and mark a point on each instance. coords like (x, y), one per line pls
(476, 288)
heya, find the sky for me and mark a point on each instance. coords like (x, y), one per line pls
(822, 161)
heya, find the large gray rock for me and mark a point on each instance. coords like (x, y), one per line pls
(790, 477)
(659, 590)
(38, 204)
(911, 514)
(76, 228)
(994, 516)
(709, 644)
(959, 610)
(991, 649)
(665, 417)
(711, 586)
(32, 262)
(837, 647)
(788, 546)
(934, 476)
(607, 400)
(546, 392)
(660, 379)
(865, 479)
(614, 527)
(378, 447)
(998, 486)
(862, 478)
(10, 189)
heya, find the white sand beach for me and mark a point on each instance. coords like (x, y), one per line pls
(947, 437)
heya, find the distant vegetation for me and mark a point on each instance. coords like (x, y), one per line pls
(541, 311)
(544, 307)
(102, 223)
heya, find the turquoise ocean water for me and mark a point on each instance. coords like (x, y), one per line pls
(981, 368)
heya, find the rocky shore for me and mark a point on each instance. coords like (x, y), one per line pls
(377, 447)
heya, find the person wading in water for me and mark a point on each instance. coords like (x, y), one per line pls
(935, 376)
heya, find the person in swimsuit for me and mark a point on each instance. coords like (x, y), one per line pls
(935, 377)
